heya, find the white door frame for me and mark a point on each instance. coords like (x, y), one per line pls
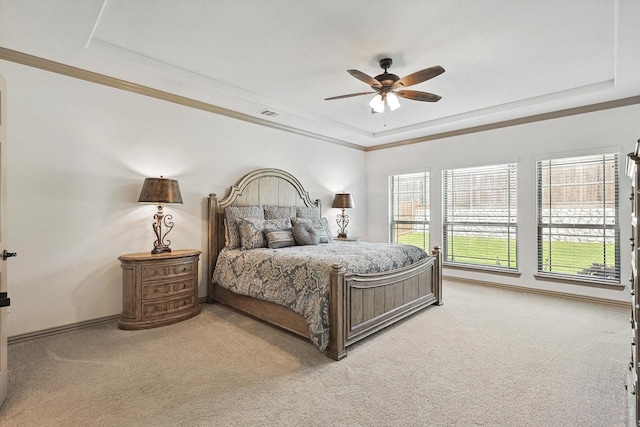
(4, 373)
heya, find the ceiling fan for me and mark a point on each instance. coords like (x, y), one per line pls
(385, 86)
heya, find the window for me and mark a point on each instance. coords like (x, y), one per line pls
(409, 201)
(480, 207)
(578, 230)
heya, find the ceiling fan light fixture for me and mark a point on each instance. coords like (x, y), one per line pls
(392, 101)
(386, 84)
(377, 103)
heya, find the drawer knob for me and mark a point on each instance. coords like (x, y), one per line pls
(156, 290)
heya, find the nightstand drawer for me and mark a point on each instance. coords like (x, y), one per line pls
(162, 290)
(161, 308)
(152, 272)
(181, 269)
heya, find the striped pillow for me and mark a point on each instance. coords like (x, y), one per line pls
(279, 238)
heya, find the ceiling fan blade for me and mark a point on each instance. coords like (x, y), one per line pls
(419, 76)
(349, 95)
(365, 78)
(418, 96)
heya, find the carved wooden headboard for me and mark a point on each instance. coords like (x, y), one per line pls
(273, 187)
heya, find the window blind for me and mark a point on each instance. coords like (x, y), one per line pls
(480, 207)
(409, 206)
(578, 229)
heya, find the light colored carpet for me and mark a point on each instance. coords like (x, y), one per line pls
(488, 357)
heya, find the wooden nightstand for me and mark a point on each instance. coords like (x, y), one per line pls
(347, 239)
(159, 289)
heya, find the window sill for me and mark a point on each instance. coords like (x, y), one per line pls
(579, 281)
(486, 269)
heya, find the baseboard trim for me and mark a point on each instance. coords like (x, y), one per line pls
(108, 319)
(546, 292)
(61, 329)
(68, 328)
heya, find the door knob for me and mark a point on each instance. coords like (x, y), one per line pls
(6, 254)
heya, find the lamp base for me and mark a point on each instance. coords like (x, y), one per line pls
(160, 249)
(342, 220)
(160, 246)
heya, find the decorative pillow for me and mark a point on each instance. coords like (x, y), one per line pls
(321, 226)
(252, 231)
(276, 212)
(307, 212)
(279, 238)
(305, 234)
(232, 214)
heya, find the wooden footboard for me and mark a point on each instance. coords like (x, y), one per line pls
(359, 305)
(363, 304)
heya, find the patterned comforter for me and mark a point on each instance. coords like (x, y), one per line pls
(298, 277)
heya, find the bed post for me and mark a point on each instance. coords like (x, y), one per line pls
(438, 274)
(337, 303)
(212, 245)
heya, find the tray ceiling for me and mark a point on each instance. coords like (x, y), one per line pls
(504, 59)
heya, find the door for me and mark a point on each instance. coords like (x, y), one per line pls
(4, 299)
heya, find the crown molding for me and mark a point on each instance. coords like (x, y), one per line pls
(624, 102)
(102, 79)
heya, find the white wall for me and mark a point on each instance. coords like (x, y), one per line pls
(77, 154)
(618, 128)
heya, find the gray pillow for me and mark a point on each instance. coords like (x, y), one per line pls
(305, 234)
(307, 212)
(232, 214)
(279, 238)
(276, 212)
(252, 231)
(321, 226)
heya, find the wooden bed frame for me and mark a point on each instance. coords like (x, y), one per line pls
(359, 304)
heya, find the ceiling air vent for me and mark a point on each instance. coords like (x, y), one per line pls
(268, 113)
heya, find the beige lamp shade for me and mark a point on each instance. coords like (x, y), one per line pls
(343, 201)
(160, 190)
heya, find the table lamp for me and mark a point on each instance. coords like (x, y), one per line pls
(342, 201)
(160, 191)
